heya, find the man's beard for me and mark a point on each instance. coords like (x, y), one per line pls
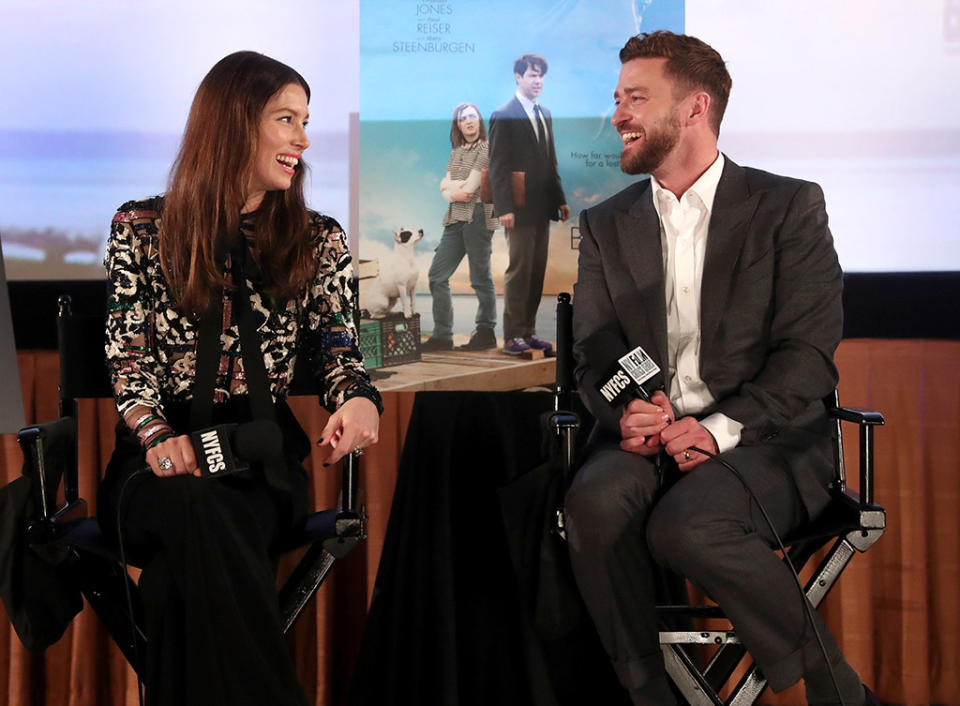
(660, 141)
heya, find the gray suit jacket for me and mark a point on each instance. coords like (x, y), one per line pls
(514, 148)
(771, 312)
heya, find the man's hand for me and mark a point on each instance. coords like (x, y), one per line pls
(681, 435)
(564, 213)
(507, 220)
(178, 456)
(355, 425)
(641, 424)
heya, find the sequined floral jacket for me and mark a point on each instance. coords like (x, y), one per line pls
(151, 345)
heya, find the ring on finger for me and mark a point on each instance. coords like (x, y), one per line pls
(164, 463)
(686, 455)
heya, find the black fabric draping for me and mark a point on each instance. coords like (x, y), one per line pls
(447, 624)
(39, 597)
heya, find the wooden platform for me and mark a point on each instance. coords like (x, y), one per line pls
(466, 370)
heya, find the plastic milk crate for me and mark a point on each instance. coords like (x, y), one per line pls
(390, 341)
(399, 339)
(370, 344)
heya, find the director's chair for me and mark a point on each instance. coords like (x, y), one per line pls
(62, 530)
(851, 523)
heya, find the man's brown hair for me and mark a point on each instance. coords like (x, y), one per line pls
(691, 63)
(529, 61)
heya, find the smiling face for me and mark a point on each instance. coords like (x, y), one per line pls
(469, 123)
(530, 83)
(647, 116)
(281, 141)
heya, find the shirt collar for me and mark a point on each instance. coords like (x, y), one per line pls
(525, 102)
(704, 188)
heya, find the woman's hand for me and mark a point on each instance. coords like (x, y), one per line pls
(173, 457)
(461, 194)
(354, 426)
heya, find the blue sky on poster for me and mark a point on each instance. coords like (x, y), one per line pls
(402, 80)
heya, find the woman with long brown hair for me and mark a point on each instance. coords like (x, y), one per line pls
(468, 226)
(229, 256)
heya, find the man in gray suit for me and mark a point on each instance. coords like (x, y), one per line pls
(521, 142)
(729, 278)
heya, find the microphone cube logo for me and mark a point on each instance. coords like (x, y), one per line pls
(612, 388)
(212, 451)
(639, 365)
(216, 456)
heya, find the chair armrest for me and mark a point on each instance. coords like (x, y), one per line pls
(49, 456)
(350, 482)
(351, 522)
(564, 420)
(865, 419)
(857, 415)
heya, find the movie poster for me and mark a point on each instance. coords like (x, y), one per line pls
(418, 62)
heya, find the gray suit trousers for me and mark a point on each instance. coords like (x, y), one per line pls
(705, 527)
(523, 280)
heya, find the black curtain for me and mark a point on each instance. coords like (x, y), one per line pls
(447, 622)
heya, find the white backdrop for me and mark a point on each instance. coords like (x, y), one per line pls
(861, 96)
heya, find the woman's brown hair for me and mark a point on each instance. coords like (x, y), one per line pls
(456, 136)
(208, 185)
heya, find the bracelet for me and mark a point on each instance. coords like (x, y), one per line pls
(143, 421)
(137, 424)
(163, 429)
(159, 440)
(367, 392)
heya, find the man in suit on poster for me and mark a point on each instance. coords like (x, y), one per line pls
(521, 141)
(728, 277)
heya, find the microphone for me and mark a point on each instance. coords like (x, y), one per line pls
(258, 440)
(226, 449)
(623, 375)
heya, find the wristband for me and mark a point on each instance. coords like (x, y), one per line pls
(159, 440)
(143, 421)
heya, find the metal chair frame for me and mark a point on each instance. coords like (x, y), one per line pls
(70, 537)
(852, 520)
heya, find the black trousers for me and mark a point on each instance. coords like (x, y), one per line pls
(208, 583)
(706, 527)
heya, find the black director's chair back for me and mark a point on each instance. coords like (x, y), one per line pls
(50, 454)
(851, 523)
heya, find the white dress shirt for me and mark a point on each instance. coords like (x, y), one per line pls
(528, 109)
(684, 226)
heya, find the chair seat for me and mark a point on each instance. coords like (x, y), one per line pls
(86, 536)
(837, 518)
(319, 525)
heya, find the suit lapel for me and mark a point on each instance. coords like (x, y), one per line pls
(733, 207)
(638, 233)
